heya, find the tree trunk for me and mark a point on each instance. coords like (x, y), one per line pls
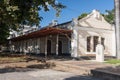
(117, 27)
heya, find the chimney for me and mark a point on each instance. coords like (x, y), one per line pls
(53, 23)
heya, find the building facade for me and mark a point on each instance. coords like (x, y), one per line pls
(24, 29)
(90, 31)
(75, 38)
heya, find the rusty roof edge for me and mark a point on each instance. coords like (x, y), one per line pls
(29, 35)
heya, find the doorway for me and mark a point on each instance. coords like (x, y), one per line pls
(49, 47)
(60, 48)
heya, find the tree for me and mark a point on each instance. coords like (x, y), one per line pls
(16, 12)
(82, 16)
(117, 26)
(4, 32)
(109, 17)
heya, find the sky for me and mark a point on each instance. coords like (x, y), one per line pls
(73, 9)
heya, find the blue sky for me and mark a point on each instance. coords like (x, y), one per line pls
(74, 8)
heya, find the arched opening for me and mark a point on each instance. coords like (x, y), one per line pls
(49, 47)
(60, 48)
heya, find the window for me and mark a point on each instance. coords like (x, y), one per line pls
(95, 42)
(92, 42)
(88, 44)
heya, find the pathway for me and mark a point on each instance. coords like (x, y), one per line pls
(79, 67)
(44, 74)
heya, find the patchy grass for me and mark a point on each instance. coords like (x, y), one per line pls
(12, 59)
(113, 61)
(24, 61)
(47, 65)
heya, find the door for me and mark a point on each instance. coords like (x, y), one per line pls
(59, 48)
(49, 47)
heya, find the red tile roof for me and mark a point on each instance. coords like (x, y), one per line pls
(42, 33)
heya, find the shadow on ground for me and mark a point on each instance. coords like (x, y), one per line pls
(81, 78)
(107, 73)
(27, 68)
(42, 66)
(8, 70)
(60, 58)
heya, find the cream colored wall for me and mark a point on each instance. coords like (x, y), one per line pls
(82, 40)
(42, 45)
(64, 41)
(41, 42)
(83, 33)
(52, 38)
(65, 47)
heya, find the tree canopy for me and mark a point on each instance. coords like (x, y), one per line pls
(110, 16)
(16, 12)
(82, 16)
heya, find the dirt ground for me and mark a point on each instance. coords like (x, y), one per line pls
(42, 74)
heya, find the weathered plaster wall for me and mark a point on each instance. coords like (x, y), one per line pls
(83, 33)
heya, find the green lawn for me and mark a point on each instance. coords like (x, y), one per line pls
(113, 61)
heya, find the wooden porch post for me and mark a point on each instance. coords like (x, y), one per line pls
(46, 46)
(57, 39)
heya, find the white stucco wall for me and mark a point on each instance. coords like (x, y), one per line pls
(74, 43)
(93, 24)
(83, 33)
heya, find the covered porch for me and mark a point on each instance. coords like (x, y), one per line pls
(47, 41)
